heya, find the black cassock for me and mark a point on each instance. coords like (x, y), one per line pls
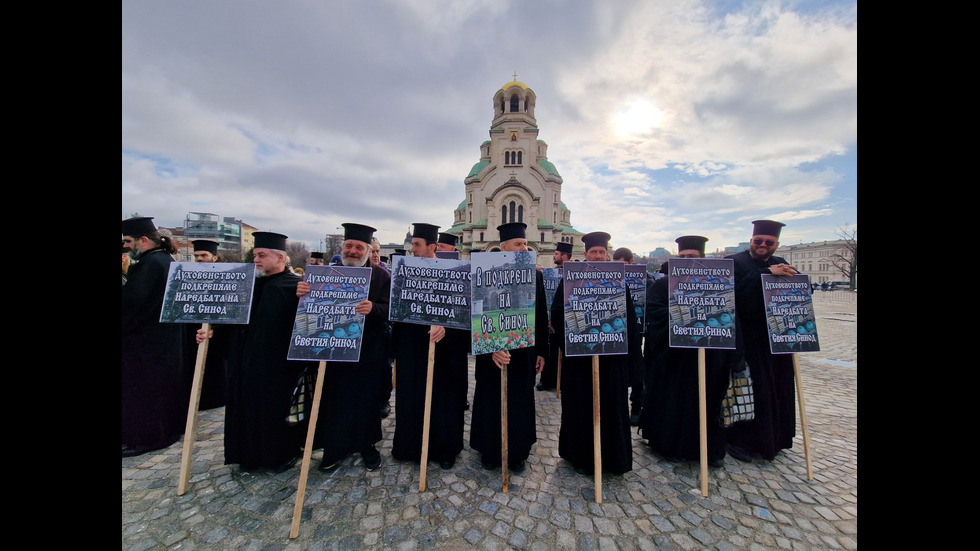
(154, 404)
(261, 380)
(671, 417)
(214, 385)
(410, 342)
(772, 374)
(348, 420)
(485, 429)
(575, 437)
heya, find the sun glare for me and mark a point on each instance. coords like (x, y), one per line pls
(637, 118)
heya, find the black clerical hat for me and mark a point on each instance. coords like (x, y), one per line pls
(205, 245)
(426, 231)
(316, 254)
(564, 247)
(447, 238)
(767, 227)
(269, 240)
(139, 226)
(596, 239)
(691, 242)
(359, 232)
(513, 230)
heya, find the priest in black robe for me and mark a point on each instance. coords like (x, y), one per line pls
(154, 404)
(410, 342)
(671, 415)
(348, 420)
(773, 381)
(260, 378)
(523, 365)
(575, 436)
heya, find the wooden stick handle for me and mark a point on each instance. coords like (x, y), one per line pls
(423, 464)
(191, 428)
(703, 414)
(503, 428)
(803, 421)
(308, 450)
(596, 432)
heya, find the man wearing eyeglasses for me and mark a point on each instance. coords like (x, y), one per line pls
(772, 374)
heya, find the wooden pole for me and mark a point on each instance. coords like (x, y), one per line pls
(503, 428)
(428, 413)
(191, 428)
(803, 421)
(558, 381)
(308, 450)
(703, 413)
(596, 433)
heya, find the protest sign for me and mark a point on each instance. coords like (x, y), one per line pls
(206, 292)
(503, 287)
(701, 302)
(326, 325)
(454, 255)
(636, 282)
(595, 308)
(552, 276)
(789, 314)
(430, 291)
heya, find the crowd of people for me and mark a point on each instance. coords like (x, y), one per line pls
(653, 386)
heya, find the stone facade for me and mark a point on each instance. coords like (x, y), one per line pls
(514, 182)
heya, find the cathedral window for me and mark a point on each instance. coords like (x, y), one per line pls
(515, 104)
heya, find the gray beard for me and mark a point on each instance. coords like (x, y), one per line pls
(350, 262)
(135, 254)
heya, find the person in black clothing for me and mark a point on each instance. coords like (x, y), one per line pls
(773, 381)
(260, 378)
(410, 342)
(213, 387)
(349, 420)
(575, 436)
(522, 365)
(549, 375)
(154, 404)
(671, 417)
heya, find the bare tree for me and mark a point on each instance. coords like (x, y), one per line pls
(335, 245)
(847, 262)
(297, 253)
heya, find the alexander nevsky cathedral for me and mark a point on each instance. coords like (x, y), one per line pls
(514, 182)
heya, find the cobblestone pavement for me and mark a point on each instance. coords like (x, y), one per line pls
(658, 505)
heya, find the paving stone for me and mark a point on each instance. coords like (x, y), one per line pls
(759, 505)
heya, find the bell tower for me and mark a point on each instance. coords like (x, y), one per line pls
(514, 182)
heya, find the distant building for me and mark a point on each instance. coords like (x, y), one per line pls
(815, 259)
(228, 232)
(514, 182)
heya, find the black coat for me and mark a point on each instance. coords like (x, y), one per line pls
(772, 374)
(575, 437)
(261, 380)
(214, 385)
(485, 423)
(154, 404)
(671, 417)
(348, 419)
(410, 342)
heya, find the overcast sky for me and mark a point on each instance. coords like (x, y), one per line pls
(663, 118)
